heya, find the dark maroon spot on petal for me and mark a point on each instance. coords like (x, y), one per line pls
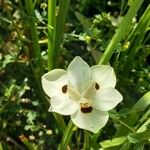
(64, 89)
(86, 108)
(97, 86)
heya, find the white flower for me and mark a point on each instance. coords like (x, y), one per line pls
(86, 93)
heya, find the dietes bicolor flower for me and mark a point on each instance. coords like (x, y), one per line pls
(86, 93)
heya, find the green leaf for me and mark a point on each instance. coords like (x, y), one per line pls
(135, 113)
(35, 103)
(1, 148)
(138, 34)
(138, 146)
(83, 20)
(133, 138)
(130, 138)
(113, 142)
(121, 31)
(4, 146)
(33, 128)
(144, 126)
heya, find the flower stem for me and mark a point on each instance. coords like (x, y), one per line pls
(51, 52)
(121, 31)
(66, 136)
(86, 141)
(32, 27)
(60, 121)
(60, 23)
(51, 31)
(36, 65)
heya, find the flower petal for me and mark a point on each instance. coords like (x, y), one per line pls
(53, 81)
(104, 75)
(88, 89)
(93, 121)
(79, 72)
(106, 99)
(63, 105)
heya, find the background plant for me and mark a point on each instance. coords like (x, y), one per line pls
(27, 51)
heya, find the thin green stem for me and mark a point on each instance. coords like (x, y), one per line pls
(121, 31)
(60, 23)
(51, 52)
(29, 6)
(127, 126)
(86, 141)
(32, 27)
(61, 19)
(35, 60)
(51, 31)
(95, 137)
(60, 121)
(66, 136)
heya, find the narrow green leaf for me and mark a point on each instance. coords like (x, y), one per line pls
(133, 138)
(83, 20)
(67, 136)
(55, 35)
(138, 34)
(144, 126)
(139, 146)
(60, 24)
(136, 137)
(113, 142)
(5, 146)
(1, 148)
(130, 120)
(121, 31)
(35, 40)
(51, 31)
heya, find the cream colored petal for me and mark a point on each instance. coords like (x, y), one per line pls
(63, 105)
(79, 72)
(104, 75)
(106, 99)
(53, 82)
(93, 121)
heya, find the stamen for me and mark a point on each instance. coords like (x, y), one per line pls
(64, 89)
(86, 108)
(97, 86)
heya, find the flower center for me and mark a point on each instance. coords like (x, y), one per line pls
(73, 93)
(86, 108)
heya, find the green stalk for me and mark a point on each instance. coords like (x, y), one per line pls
(66, 136)
(60, 121)
(51, 31)
(60, 23)
(121, 31)
(61, 19)
(36, 65)
(138, 34)
(35, 40)
(51, 36)
(86, 141)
